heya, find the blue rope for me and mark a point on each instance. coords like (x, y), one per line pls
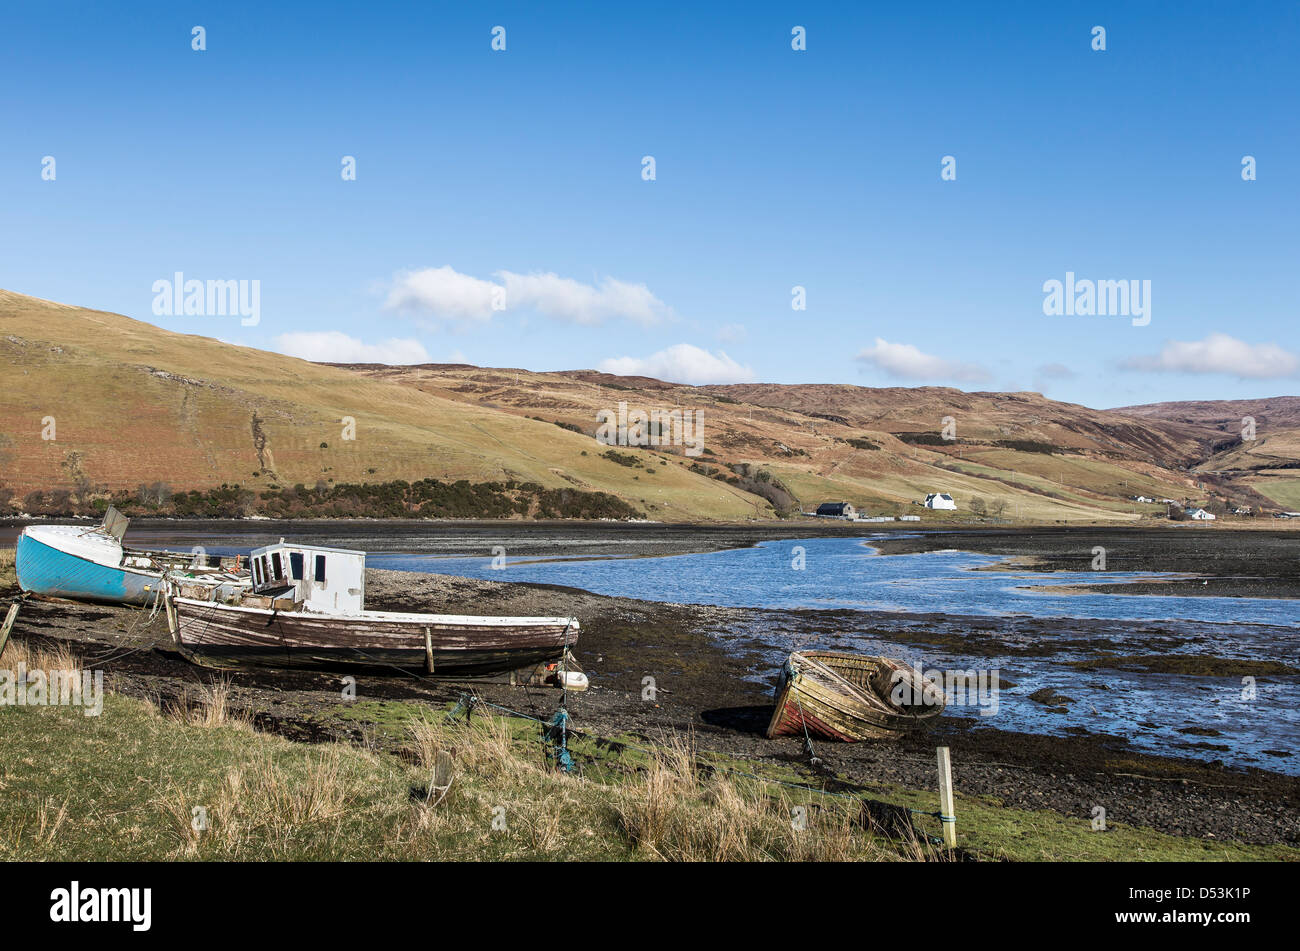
(558, 726)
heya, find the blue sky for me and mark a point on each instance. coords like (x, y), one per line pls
(522, 170)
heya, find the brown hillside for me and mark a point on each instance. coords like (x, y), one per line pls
(134, 404)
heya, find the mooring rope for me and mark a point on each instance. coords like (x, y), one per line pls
(813, 759)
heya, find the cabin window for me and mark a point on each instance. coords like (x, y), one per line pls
(266, 570)
(277, 564)
(320, 567)
(295, 565)
(257, 573)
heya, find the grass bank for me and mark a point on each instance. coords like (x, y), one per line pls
(193, 781)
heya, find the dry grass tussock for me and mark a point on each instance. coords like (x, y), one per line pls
(501, 799)
(497, 782)
(670, 810)
(208, 705)
(676, 814)
(261, 810)
(56, 656)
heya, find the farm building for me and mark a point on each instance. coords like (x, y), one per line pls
(836, 510)
(1201, 514)
(939, 500)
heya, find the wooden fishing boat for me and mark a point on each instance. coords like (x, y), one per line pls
(842, 696)
(306, 609)
(91, 564)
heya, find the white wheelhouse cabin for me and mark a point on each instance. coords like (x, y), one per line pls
(326, 580)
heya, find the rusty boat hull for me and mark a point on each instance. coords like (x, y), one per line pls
(848, 697)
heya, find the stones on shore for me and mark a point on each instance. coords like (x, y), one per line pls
(1053, 701)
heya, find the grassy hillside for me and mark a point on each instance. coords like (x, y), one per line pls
(882, 449)
(133, 405)
(1268, 465)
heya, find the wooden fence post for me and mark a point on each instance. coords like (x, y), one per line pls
(8, 626)
(945, 798)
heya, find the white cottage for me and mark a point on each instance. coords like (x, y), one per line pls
(939, 500)
(1201, 515)
(329, 580)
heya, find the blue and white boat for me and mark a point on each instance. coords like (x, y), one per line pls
(90, 564)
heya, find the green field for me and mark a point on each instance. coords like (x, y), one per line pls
(1285, 491)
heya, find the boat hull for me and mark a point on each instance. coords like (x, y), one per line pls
(224, 635)
(838, 696)
(43, 569)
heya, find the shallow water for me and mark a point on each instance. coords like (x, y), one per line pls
(846, 573)
(991, 620)
(1149, 708)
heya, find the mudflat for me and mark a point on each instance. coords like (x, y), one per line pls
(1222, 562)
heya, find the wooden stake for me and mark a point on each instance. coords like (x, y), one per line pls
(945, 798)
(428, 650)
(173, 622)
(8, 626)
(442, 776)
(442, 770)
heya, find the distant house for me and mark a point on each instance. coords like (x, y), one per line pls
(836, 510)
(939, 500)
(1201, 514)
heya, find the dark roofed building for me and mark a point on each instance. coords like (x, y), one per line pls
(836, 509)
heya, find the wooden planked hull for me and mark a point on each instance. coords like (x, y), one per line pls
(446, 645)
(846, 697)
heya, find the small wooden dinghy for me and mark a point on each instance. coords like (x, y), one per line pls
(849, 697)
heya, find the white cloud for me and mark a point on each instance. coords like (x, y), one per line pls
(732, 333)
(446, 293)
(1219, 353)
(442, 292)
(906, 362)
(682, 363)
(333, 346)
(567, 299)
(1056, 371)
